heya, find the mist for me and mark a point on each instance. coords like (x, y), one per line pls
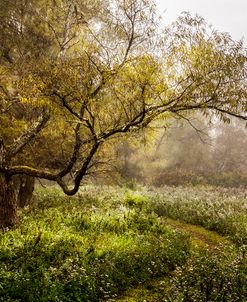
(194, 152)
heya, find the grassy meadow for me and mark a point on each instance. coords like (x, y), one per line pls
(117, 244)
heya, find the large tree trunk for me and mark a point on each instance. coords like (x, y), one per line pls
(26, 189)
(8, 203)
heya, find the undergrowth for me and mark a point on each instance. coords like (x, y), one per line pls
(217, 209)
(87, 248)
(210, 277)
(105, 244)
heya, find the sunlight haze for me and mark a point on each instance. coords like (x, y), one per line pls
(224, 15)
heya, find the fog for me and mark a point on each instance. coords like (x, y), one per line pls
(197, 152)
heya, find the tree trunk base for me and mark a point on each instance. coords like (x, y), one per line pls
(8, 203)
(26, 189)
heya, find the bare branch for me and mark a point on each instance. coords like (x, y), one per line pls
(28, 136)
(14, 170)
(75, 153)
(66, 105)
(80, 173)
(228, 112)
(199, 132)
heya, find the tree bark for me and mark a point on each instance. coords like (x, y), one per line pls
(8, 203)
(25, 192)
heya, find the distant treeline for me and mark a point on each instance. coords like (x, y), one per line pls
(185, 153)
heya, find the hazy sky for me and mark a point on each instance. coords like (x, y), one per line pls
(224, 15)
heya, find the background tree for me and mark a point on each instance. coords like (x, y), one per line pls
(194, 152)
(100, 78)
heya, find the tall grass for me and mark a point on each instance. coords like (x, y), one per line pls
(218, 209)
(210, 277)
(106, 241)
(90, 247)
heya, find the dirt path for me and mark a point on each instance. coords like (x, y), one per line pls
(201, 238)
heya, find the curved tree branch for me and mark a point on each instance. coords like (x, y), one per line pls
(80, 173)
(74, 156)
(14, 170)
(29, 135)
(243, 117)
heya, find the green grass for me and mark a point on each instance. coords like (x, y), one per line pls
(200, 237)
(218, 209)
(91, 247)
(114, 244)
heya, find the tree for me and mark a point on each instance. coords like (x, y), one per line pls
(30, 32)
(104, 76)
(196, 152)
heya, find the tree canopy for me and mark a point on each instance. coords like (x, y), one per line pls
(74, 74)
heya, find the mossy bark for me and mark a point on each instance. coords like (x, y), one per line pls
(8, 203)
(26, 188)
